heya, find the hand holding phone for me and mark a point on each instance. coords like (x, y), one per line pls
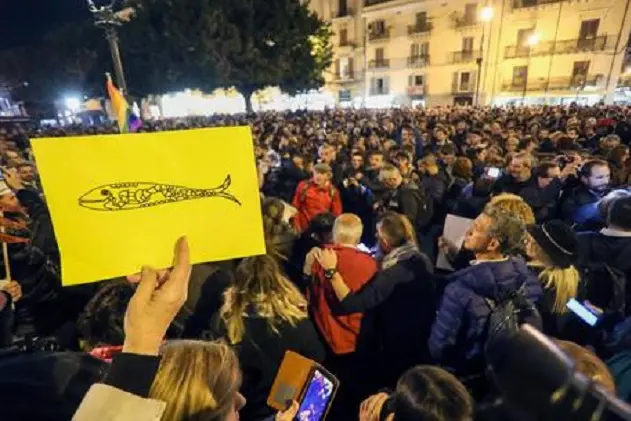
(584, 312)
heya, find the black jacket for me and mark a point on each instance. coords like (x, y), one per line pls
(578, 208)
(260, 354)
(399, 306)
(413, 202)
(598, 247)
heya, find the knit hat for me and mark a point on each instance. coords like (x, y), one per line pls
(558, 241)
(322, 168)
(4, 189)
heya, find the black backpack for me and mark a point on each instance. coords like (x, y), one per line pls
(508, 313)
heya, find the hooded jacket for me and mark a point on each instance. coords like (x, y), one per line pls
(459, 332)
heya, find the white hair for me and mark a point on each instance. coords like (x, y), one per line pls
(347, 229)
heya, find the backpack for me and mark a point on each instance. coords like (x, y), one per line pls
(605, 287)
(508, 314)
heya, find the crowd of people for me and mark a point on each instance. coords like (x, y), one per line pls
(354, 205)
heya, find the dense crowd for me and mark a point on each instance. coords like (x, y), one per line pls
(354, 206)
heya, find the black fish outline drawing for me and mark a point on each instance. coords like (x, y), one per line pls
(140, 195)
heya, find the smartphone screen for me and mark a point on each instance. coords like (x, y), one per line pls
(583, 312)
(317, 398)
(493, 172)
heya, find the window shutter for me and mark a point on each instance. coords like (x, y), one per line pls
(454, 82)
(351, 70)
(337, 67)
(410, 80)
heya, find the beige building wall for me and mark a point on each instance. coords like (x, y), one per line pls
(578, 50)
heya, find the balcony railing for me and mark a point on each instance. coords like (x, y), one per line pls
(518, 4)
(417, 90)
(463, 21)
(379, 64)
(418, 61)
(463, 88)
(344, 77)
(347, 43)
(379, 91)
(376, 36)
(420, 29)
(600, 43)
(569, 83)
(624, 82)
(463, 56)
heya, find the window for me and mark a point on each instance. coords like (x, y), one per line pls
(467, 44)
(379, 86)
(520, 75)
(465, 81)
(419, 80)
(344, 36)
(421, 19)
(470, 12)
(419, 50)
(344, 95)
(579, 71)
(523, 35)
(351, 68)
(378, 27)
(379, 55)
(589, 29)
(342, 8)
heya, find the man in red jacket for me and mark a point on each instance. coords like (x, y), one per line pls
(316, 195)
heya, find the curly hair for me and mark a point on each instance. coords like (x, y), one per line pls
(513, 204)
(508, 229)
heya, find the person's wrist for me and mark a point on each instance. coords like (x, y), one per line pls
(143, 347)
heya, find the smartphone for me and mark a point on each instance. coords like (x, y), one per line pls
(493, 172)
(583, 312)
(317, 395)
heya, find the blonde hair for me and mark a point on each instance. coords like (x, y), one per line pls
(260, 286)
(514, 205)
(565, 284)
(589, 365)
(409, 231)
(197, 380)
(389, 171)
(347, 229)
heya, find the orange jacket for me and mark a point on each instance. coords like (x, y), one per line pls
(311, 200)
(356, 268)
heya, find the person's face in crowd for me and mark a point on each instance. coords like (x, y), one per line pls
(27, 173)
(496, 129)
(327, 155)
(473, 139)
(553, 173)
(519, 170)
(393, 181)
(591, 122)
(461, 126)
(481, 155)
(357, 162)
(9, 200)
(373, 141)
(572, 134)
(448, 159)
(13, 158)
(403, 163)
(512, 144)
(599, 178)
(321, 179)
(441, 135)
(544, 133)
(611, 142)
(382, 240)
(299, 162)
(478, 239)
(376, 161)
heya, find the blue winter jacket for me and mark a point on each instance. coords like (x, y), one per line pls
(458, 334)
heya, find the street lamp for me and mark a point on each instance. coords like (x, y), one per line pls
(107, 19)
(486, 16)
(532, 40)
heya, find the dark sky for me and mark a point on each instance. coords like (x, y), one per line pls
(25, 21)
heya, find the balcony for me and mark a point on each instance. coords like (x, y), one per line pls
(379, 91)
(600, 43)
(422, 29)
(418, 61)
(344, 77)
(378, 36)
(458, 57)
(383, 63)
(624, 81)
(347, 43)
(568, 83)
(520, 4)
(463, 88)
(418, 90)
(461, 21)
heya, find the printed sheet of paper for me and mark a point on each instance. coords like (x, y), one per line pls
(119, 202)
(454, 231)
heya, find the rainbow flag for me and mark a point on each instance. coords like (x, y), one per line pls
(127, 121)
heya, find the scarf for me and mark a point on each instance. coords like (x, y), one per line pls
(400, 254)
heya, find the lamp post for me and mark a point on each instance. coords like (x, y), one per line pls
(486, 15)
(107, 19)
(532, 40)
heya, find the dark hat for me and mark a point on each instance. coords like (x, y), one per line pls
(558, 241)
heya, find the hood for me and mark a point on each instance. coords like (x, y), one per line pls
(496, 279)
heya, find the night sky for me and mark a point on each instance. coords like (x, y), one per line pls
(25, 21)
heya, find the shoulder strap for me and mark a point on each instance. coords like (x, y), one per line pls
(303, 193)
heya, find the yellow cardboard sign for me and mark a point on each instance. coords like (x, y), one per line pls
(119, 202)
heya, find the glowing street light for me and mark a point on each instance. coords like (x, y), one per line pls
(533, 40)
(73, 104)
(486, 14)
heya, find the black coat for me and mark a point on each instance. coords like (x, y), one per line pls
(260, 354)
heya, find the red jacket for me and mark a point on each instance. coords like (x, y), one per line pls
(356, 268)
(311, 200)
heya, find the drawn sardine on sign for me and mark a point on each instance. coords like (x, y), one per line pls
(140, 195)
